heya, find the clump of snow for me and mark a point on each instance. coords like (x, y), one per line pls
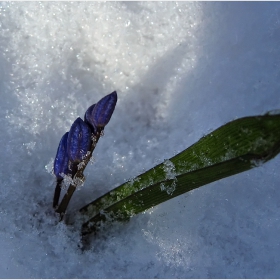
(170, 174)
(168, 188)
(274, 112)
(169, 168)
(49, 166)
(67, 180)
(180, 69)
(132, 181)
(257, 162)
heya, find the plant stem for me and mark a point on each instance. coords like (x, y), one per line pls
(77, 177)
(57, 193)
(65, 201)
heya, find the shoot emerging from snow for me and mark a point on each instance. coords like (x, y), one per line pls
(76, 147)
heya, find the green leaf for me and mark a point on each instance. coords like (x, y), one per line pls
(233, 148)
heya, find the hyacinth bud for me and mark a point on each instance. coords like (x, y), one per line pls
(99, 115)
(88, 113)
(61, 159)
(79, 140)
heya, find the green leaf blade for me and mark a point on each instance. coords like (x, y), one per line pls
(233, 148)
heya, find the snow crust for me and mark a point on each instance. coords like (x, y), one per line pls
(181, 70)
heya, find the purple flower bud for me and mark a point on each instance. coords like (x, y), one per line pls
(87, 116)
(61, 159)
(99, 115)
(79, 140)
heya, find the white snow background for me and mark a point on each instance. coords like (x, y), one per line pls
(181, 70)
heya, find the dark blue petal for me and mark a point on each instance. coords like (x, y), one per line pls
(101, 113)
(61, 159)
(79, 140)
(88, 118)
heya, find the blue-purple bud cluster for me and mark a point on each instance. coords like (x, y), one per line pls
(99, 114)
(75, 144)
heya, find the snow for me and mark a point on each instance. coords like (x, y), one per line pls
(180, 70)
(170, 174)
